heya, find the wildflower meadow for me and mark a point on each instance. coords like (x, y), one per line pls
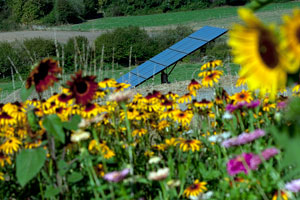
(101, 140)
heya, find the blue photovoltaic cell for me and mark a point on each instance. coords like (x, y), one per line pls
(208, 33)
(131, 79)
(168, 57)
(188, 45)
(171, 55)
(148, 69)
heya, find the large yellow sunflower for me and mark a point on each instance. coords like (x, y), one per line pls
(291, 39)
(256, 48)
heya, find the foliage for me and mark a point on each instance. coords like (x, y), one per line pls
(38, 48)
(118, 43)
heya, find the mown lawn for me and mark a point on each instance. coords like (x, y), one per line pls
(222, 16)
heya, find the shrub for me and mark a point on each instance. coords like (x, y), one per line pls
(39, 48)
(67, 11)
(7, 50)
(75, 45)
(120, 40)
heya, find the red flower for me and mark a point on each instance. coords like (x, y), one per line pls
(82, 89)
(43, 75)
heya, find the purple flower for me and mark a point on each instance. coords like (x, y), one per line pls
(116, 176)
(243, 138)
(230, 107)
(253, 104)
(293, 186)
(236, 165)
(281, 105)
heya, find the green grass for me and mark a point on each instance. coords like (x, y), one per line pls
(221, 16)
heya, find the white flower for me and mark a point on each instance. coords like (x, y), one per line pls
(154, 160)
(161, 174)
(80, 135)
(204, 196)
(220, 137)
(227, 115)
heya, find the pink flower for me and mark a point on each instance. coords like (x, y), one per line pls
(293, 186)
(116, 176)
(241, 105)
(248, 161)
(237, 165)
(243, 138)
(253, 104)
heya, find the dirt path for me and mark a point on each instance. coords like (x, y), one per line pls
(61, 36)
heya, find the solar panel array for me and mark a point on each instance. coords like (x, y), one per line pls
(171, 55)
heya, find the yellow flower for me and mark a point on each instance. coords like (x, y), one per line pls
(291, 39)
(256, 48)
(241, 81)
(4, 158)
(11, 145)
(296, 88)
(149, 153)
(243, 96)
(139, 132)
(195, 189)
(2, 176)
(211, 64)
(188, 144)
(183, 117)
(171, 141)
(109, 154)
(211, 77)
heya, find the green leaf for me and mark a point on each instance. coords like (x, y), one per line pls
(53, 125)
(25, 93)
(29, 163)
(75, 177)
(33, 120)
(73, 124)
(63, 167)
(51, 191)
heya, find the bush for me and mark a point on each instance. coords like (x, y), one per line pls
(120, 40)
(8, 51)
(169, 37)
(40, 48)
(67, 11)
(75, 45)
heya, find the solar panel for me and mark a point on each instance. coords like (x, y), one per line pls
(208, 33)
(171, 55)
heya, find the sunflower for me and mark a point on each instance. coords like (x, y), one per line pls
(211, 64)
(243, 96)
(43, 75)
(188, 144)
(82, 89)
(195, 189)
(291, 39)
(256, 49)
(11, 145)
(4, 158)
(211, 77)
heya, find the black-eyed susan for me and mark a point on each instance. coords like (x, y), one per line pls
(243, 96)
(162, 125)
(120, 87)
(291, 39)
(10, 145)
(188, 144)
(148, 153)
(43, 75)
(64, 100)
(82, 89)
(32, 145)
(211, 64)
(6, 119)
(4, 159)
(2, 176)
(280, 196)
(90, 110)
(194, 85)
(183, 117)
(171, 142)
(296, 88)
(99, 169)
(107, 83)
(185, 98)
(241, 81)
(256, 48)
(139, 132)
(195, 189)
(172, 96)
(159, 147)
(203, 104)
(109, 154)
(267, 105)
(212, 77)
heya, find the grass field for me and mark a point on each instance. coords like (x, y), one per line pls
(222, 16)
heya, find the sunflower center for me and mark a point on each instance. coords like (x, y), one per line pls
(242, 96)
(298, 34)
(267, 51)
(81, 87)
(194, 186)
